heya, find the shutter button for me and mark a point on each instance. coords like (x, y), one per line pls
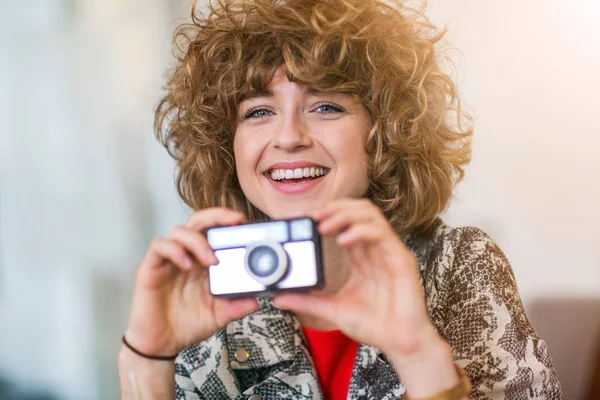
(255, 397)
(242, 356)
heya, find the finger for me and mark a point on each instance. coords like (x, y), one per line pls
(227, 310)
(210, 217)
(345, 217)
(316, 306)
(361, 232)
(359, 255)
(363, 263)
(162, 250)
(337, 205)
(196, 244)
(392, 255)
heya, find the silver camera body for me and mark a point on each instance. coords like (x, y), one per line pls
(264, 257)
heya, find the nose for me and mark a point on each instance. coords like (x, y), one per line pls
(293, 134)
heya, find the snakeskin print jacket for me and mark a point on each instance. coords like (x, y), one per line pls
(471, 297)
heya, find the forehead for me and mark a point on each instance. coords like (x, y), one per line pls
(271, 81)
(265, 82)
(271, 90)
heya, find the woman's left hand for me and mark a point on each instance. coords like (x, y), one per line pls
(382, 303)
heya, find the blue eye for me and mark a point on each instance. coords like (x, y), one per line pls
(328, 109)
(257, 113)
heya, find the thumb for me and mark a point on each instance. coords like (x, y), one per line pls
(313, 305)
(227, 310)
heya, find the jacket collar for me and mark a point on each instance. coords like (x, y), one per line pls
(271, 336)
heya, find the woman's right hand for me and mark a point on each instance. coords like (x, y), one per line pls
(172, 307)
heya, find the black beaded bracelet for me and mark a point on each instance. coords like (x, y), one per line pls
(149, 356)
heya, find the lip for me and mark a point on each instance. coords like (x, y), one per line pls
(294, 188)
(293, 165)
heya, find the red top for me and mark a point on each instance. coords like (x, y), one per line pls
(333, 354)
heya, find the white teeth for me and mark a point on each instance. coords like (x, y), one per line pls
(298, 173)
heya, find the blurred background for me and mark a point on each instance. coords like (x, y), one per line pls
(84, 186)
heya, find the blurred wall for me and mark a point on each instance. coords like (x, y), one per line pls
(530, 73)
(84, 186)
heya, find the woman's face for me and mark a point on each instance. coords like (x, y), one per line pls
(296, 150)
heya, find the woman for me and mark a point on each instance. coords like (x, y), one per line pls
(335, 109)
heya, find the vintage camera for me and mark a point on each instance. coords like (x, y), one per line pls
(260, 258)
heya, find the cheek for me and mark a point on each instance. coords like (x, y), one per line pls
(353, 152)
(240, 156)
(362, 169)
(357, 160)
(246, 154)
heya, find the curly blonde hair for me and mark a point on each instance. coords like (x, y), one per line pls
(382, 53)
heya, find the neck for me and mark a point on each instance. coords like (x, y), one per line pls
(336, 264)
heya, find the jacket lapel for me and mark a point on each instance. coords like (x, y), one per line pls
(373, 376)
(273, 339)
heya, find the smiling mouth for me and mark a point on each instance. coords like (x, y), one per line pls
(297, 175)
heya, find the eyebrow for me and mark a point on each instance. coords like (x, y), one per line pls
(254, 93)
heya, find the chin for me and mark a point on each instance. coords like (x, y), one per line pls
(290, 212)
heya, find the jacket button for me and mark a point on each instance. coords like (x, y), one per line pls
(255, 397)
(242, 356)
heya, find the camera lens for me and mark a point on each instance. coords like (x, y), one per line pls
(266, 262)
(263, 261)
